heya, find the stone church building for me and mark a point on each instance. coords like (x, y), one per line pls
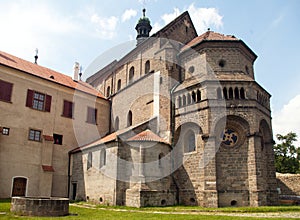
(179, 119)
(189, 125)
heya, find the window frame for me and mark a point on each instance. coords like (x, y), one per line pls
(4, 129)
(31, 98)
(38, 101)
(89, 163)
(129, 118)
(59, 138)
(35, 132)
(147, 67)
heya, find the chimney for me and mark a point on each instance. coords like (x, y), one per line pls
(76, 71)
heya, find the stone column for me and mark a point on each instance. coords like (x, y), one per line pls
(257, 193)
(142, 161)
(272, 193)
(210, 193)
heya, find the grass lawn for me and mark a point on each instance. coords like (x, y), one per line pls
(105, 212)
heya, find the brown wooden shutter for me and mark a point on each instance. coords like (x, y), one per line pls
(66, 108)
(89, 115)
(29, 99)
(71, 109)
(48, 103)
(5, 90)
(92, 115)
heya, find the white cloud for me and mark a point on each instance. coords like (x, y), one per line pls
(129, 13)
(170, 17)
(25, 27)
(203, 18)
(105, 26)
(288, 118)
(156, 27)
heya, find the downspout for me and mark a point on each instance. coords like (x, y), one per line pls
(110, 117)
(69, 174)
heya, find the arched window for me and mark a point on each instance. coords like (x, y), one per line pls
(160, 156)
(89, 160)
(193, 97)
(131, 74)
(225, 95)
(230, 93)
(184, 100)
(179, 102)
(147, 67)
(117, 123)
(236, 93)
(119, 85)
(107, 91)
(191, 141)
(198, 95)
(129, 119)
(219, 93)
(102, 158)
(189, 99)
(242, 93)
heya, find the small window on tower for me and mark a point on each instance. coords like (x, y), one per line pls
(58, 139)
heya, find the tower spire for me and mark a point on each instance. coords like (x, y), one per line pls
(143, 28)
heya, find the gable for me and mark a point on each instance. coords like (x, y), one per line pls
(181, 29)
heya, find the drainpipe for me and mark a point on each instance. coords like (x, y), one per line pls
(69, 175)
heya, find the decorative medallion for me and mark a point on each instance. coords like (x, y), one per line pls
(229, 137)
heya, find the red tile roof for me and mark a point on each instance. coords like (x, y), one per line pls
(47, 168)
(45, 73)
(209, 36)
(106, 139)
(147, 135)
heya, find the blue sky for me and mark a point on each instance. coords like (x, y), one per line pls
(81, 30)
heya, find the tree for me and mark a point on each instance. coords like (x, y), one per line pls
(286, 154)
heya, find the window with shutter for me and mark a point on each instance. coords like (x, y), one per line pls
(38, 101)
(5, 91)
(68, 109)
(91, 115)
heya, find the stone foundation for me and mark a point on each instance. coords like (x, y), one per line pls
(40, 206)
(144, 198)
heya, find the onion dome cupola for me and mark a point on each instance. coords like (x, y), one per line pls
(143, 28)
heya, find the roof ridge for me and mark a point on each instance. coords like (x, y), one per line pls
(46, 73)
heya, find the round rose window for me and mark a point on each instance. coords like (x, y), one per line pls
(229, 137)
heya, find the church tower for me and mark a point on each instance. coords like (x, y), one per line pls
(143, 28)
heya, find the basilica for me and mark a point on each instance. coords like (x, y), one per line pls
(179, 119)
